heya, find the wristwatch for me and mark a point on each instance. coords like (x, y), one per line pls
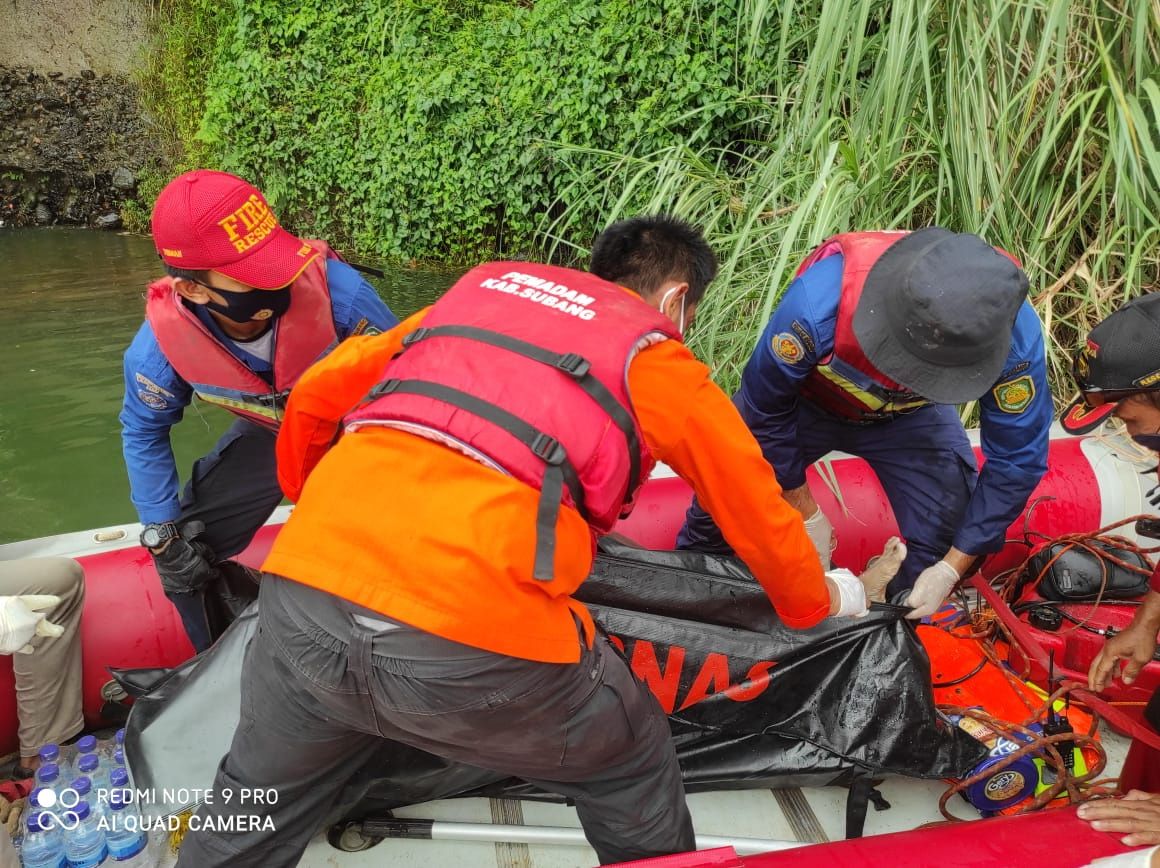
(156, 535)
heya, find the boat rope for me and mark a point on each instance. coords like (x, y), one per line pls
(984, 626)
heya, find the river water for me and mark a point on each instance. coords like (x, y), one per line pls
(70, 302)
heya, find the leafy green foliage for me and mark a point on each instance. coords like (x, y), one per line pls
(1036, 125)
(428, 130)
(462, 129)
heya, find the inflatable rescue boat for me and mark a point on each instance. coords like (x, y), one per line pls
(1093, 482)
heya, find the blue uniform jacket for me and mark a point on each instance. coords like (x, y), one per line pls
(156, 396)
(1014, 430)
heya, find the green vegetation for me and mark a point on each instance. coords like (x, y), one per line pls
(428, 130)
(457, 130)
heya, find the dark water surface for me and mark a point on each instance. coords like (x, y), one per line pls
(70, 302)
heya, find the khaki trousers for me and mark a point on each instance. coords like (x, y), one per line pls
(48, 681)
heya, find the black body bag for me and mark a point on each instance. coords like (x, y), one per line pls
(751, 703)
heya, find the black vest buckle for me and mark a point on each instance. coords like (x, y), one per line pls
(574, 365)
(385, 388)
(548, 449)
(417, 335)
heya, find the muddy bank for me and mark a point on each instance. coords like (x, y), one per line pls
(71, 146)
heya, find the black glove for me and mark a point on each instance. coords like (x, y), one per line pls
(187, 564)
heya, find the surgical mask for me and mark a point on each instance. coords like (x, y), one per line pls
(261, 305)
(1148, 441)
(665, 300)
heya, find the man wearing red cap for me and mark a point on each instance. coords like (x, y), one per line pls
(245, 308)
(1117, 371)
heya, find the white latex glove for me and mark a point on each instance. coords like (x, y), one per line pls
(852, 600)
(21, 619)
(1141, 858)
(821, 534)
(931, 588)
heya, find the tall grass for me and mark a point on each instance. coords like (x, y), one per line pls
(1035, 123)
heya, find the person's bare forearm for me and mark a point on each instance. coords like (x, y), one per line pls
(1147, 617)
(801, 499)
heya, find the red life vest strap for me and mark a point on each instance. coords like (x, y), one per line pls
(558, 471)
(575, 366)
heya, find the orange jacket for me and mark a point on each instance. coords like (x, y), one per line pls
(407, 527)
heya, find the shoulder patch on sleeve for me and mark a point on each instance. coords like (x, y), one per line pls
(1015, 371)
(364, 327)
(804, 334)
(152, 400)
(788, 348)
(151, 387)
(1014, 396)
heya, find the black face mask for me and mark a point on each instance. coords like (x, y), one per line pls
(260, 305)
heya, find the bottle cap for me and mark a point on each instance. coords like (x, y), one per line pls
(34, 823)
(49, 753)
(81, 811)
(48, 773)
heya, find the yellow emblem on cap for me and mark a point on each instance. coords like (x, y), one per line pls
(1014, 396)
(1082, 367)
(1150, 380)
(788, 348)
(250, 224)
(169, 251)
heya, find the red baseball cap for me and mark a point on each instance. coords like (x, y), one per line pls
(206, 220)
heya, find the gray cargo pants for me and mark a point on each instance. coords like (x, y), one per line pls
(324, 681)
(232, 490)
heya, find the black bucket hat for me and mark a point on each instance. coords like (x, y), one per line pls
(936, 314)
(1121, 358)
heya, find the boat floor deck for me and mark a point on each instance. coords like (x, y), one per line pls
(808, 815)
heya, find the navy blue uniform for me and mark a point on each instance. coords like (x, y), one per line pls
(156, 396)
(233, 490)
(922, 457)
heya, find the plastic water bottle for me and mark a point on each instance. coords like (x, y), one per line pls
(119, 780)
(126, 840)
(83, 786)
(43, 845)
(85, 745)
(48, 777)
(115, 744)
(43, 800)
(89, 765)
(51, 753)
(84, 844)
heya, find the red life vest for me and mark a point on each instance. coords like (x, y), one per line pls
(524, 368)
(845, 383)
(304, 334)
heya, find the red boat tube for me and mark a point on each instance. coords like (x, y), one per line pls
(129, 623)
(1059, 838)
